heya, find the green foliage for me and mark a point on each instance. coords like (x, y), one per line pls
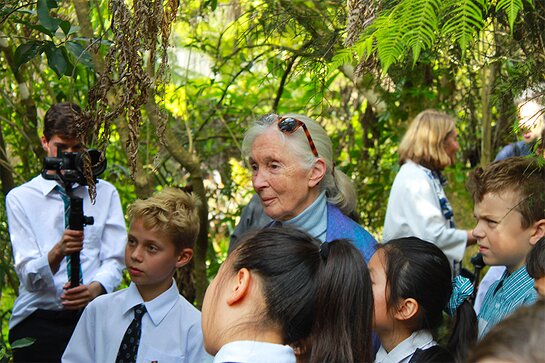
(512, 8)
(6, 352)
(418, 25)
(464, 21)
(63, 50)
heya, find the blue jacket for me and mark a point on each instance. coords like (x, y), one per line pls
(341, 226)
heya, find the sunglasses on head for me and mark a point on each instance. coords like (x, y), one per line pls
(288, 125)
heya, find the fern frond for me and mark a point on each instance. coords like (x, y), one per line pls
(511, 8)
(389, 35)
(464, 20)
(420, 23)
(342, 57)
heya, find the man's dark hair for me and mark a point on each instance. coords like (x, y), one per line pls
(64, 119)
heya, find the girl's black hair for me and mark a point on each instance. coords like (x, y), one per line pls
(320, 296)
(420, 270)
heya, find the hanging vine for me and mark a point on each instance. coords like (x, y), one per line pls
(140, 29)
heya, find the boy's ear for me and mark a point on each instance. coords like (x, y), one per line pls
(240, 287)
(538, 232)
(45, 144)
(317, 172)
(184, 257)
(407, 309)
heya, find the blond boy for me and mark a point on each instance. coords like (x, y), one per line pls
(149, 320)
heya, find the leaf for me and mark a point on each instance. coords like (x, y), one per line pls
(213, 4)
(512, 8)
(342, 57)
(465, 20)
(420, 22)
(275, 66)
(26, 51)
(65, 26)
(38, 27)
(22, 343)
(56, 59)
(81, 55)
(43, 15)
(390, 45)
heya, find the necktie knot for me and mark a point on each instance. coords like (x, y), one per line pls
(139, 311)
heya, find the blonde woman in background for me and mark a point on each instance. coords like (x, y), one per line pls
(418, 205)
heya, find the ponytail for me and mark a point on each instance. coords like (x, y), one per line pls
(344, 306)
(340, 191)
(464, 332)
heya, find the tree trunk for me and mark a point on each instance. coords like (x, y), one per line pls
(488, 77)
(192, 164)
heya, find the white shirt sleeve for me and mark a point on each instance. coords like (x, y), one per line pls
(31, 263)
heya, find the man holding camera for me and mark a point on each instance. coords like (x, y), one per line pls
(48, 306)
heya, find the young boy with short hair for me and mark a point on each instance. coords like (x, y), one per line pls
(536, 266)
(149, 320)
(509, 197)
(47, 308)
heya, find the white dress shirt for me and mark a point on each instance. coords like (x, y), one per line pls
(171, 329)
(247, 351)
(35, 212)
(414, 210)
(403, 352)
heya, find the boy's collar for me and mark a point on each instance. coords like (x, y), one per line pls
(157, 308)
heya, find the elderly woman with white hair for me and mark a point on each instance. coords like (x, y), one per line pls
(293, 173)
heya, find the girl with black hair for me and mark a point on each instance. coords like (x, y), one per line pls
(279, 290)
(412, 285)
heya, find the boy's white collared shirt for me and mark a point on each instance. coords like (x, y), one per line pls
(171, 329)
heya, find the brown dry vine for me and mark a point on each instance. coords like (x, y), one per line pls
(140, 29)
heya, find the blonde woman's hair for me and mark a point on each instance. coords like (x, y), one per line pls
(172, 212)
(338, 186)
(424, 141)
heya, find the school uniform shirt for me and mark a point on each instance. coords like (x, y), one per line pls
(171, 329)
(418, 207)
(402, 353)
(493, 274)
(35, 212)
(246, 351)
(504, 297)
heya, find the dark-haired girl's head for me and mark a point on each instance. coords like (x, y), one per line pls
(279, 286)
(409, 270)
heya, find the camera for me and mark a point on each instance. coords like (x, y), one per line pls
(70, 166)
